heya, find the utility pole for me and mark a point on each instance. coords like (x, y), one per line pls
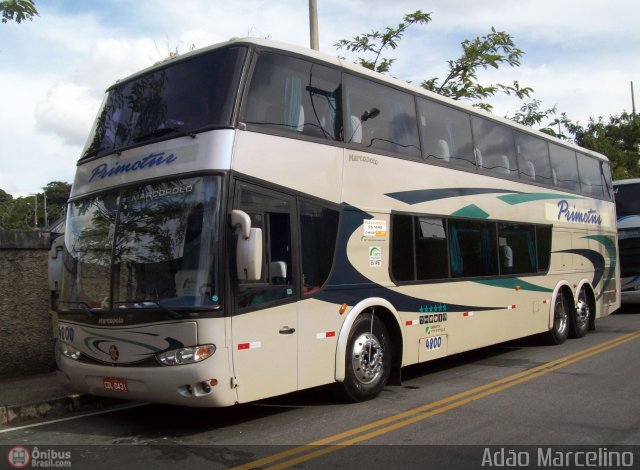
(313, 25)
(46, 219)
(35, 212)
(633, 102)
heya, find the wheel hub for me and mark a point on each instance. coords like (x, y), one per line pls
(366, 358)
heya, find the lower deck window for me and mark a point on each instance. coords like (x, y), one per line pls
(431, 248)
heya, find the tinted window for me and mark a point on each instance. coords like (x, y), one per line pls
(564, 170)
(271, 214)
(627, 199)
(402, 258)
(517, 248)
(543, 247)
(318, 229)
(294, 96)
(183, 97)
(380, 117)
(606, 174)
(494, 147)
(533, 158)
(446, 134)
(472, 248)
(591, 180)
(431, 248)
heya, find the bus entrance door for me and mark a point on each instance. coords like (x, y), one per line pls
(264, 322)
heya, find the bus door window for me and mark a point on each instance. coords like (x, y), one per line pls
(272, 214)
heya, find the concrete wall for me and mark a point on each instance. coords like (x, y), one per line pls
(26, 326)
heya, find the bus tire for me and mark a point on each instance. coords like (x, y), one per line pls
(560, 329)
(368, 359)
(580, 316)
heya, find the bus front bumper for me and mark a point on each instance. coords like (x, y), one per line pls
(203, 384)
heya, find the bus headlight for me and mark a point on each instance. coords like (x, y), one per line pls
(69, 351)
(186, 355)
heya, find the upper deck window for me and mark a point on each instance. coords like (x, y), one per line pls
(294, 96)
(446, 134)
(564, 167)
(182, 98)
(495, 149)
(380, 117)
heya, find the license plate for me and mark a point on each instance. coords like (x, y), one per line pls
(115, 384)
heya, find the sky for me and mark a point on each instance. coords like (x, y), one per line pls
(580, 55)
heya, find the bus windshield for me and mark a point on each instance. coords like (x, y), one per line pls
(182, 98)
(153, 246)
(627, 201)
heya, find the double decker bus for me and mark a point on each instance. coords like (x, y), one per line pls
(627, 196)
(253, 219)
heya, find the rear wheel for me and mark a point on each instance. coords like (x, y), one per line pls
(580, 316)
(560, 329)
(368, 358)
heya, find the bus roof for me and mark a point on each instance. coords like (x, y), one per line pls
(351, 67)
(627, 181)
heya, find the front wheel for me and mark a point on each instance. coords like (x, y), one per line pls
(368, 358)
(560, 329)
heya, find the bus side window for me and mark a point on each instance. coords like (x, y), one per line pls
(318, 236)
(495, 142)
(564, 167)
(293, 96)
(591, 180)
(384, 117)
(446, 135)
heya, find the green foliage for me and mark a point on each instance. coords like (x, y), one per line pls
(19, 213)
(18, 10)
(493, 50)
(375, 42)
(618, 139)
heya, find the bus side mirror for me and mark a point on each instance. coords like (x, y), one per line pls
(249, 247)
(55, 270)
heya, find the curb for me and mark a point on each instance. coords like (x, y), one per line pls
(19, 414)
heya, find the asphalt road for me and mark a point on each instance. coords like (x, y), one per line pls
(521, 400)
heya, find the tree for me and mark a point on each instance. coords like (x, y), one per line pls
(18, 10)
(57, 195)
(493, 50)
(375, 42)
(618, 139)
(19, 213)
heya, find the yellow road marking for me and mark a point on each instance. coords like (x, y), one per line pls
(400, 420)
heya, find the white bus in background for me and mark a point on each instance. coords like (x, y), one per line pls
(627, 195)
(253, 219)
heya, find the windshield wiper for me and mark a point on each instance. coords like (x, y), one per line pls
(164, 130)
(91, 313)
(140, 304)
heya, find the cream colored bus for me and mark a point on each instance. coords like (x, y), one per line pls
(253, 219)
